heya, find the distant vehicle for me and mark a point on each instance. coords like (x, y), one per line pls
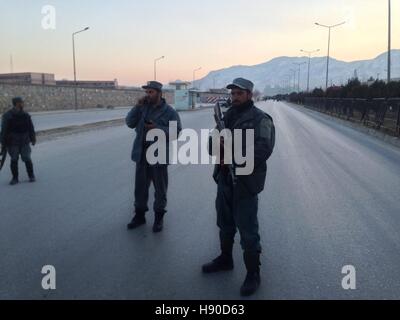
(223, 103)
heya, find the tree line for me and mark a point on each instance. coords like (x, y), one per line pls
(353, 89)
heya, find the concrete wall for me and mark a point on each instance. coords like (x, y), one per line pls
(44, 98)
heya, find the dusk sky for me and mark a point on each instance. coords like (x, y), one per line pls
(126, 36)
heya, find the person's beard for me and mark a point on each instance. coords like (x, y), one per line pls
(237, 103)
(153, 101)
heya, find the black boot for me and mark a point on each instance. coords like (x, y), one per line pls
(252, 281)
(14, 171)
(137, 221)
(158, 222)
(222, 263)
(29, 170)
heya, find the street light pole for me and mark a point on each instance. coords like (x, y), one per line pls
(309, 63)
(389, 41)
(287, 82)
(194, 75)
(11, 64)
(298, 81)
(155, 67)
(294, 78)
(73, 54)
(329, 47)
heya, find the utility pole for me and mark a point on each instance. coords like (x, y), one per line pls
(298, 81)
(309, 64)
(389, 42)
(155, 67)
(73, 53)
(294, 78)
(194, 75)
(11, 64)
(329, 47)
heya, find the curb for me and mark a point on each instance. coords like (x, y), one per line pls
(64, 131)
(39, 113)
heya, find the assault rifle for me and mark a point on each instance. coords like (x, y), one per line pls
(221, 126)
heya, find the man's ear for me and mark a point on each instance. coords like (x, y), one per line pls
(250, 95)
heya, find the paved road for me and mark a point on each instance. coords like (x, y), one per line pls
(331, 200)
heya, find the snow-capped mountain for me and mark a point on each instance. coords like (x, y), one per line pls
(278, 73)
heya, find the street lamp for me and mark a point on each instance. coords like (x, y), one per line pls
(288, 77)
(389, 41)
(309, 63)
(11, 64)
(287, 82)
(298, 81)
(155, 67)
(294, 78)
(194, 75)
(329, 46)
(73, 53)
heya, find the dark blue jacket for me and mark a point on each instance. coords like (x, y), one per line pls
(160, 116)
(17, 128)
(264, 131)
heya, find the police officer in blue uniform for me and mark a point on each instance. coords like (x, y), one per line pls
(17, 133)
(237, 201)
(151, 112)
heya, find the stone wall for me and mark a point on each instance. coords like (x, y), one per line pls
(45, 98)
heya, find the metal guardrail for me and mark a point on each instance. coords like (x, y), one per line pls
(381, 114)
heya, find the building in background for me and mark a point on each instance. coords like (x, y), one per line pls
(89, 84)
(186, 99)
(48, 79)
(28, 78)
(182, 97)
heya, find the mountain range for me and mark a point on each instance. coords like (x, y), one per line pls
(277, 75)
